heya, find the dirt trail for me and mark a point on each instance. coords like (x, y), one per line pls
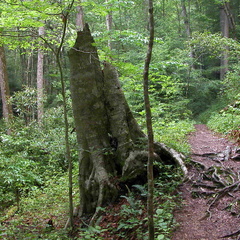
(223, 217)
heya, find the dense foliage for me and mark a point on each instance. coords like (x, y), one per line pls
(185, 85)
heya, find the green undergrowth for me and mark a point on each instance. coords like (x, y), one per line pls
(174, 134)
(224, 122)
(128, 218)
(28, 155)
(30, 221)
(128, 221)
(227, 120)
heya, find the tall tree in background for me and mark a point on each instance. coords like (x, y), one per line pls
(224, 23)
(5, 93)
(149, 124)
(186, 19)
(188, 31)
(40, 78)
(79, 16)
(109, 22)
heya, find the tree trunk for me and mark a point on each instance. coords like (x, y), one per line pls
(109, 21)
(150, 207)
(186, 19)
(4, 86)
(79, 16)
(40, 80)
(224, 22)
(113, 149)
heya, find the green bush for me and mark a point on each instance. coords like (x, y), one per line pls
(174, 134)
(31, 154)
(224, 122)
(227, 119)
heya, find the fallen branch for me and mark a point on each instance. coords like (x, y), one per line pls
(204, 193)
(232, 234)
(172, 154)
(217, 156)
(236, 157)
(209, 155)
(204, 185)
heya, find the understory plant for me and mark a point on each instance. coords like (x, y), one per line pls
(227, 121)
(128, 218)
(31, 154)
(49, 202)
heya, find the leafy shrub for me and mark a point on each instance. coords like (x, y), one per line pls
(174, 134)
(227, 120)
(41, 204)
(31, 154)
(232, 83)
(224, 123)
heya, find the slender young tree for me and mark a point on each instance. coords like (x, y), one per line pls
(150, 207)
(57, 54)
(63, 91)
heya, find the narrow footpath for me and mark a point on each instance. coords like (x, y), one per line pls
(210, 209)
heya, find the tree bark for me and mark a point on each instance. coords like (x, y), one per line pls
(79, 16)
(40, 80)
(109, 22)
(113, 149)
(224, 23)
(187, 24)
(186, 19)
(4, 86)
(150, 207)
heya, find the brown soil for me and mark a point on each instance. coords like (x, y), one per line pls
(223, 217)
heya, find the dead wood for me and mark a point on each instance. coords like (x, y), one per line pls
(217, 156)
(232, 234)
(210, 154)
(203, 185)
(202, 193)
(236, 157)
(221, 180)
(227, 152)
(101, 114)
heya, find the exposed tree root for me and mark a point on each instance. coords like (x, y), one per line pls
(217, 181)
(220, 156)
(203, 166)
(174, 155)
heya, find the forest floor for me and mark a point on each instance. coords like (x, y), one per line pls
(208, 202)
(210, 208)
